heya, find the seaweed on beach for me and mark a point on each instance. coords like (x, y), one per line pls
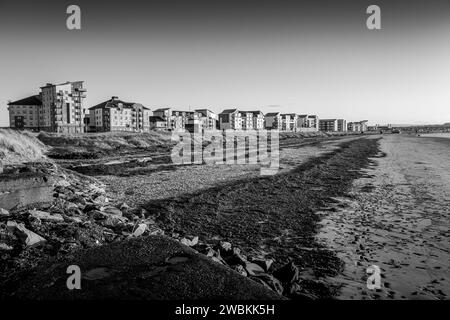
(273, 216)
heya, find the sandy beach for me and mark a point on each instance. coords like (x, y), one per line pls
(396, 217)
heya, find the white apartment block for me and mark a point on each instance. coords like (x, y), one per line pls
(62, 107)
(247, 120)
(257, 119)
(308, 123)
(342, 125)
(117, 115)
(289, 122)
(359, 126)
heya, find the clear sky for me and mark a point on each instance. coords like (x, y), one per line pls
(314, 57)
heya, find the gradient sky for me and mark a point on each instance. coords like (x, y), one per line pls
(314, 57)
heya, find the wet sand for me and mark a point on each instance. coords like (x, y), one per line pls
(396, 217)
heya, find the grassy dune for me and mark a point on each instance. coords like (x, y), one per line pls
(94, 145)
(20, 146)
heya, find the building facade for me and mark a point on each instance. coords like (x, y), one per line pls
(209, 120)
(117, 115)
(273, 121)
(62, 107)
(247, 120)
(24, 113)
(157, 123)
(359, 126)
(230, 119)
(257, 120)
(328, 125)
(289, 122)
(342, 125)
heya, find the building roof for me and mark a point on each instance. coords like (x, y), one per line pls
(228, 111)
(161, 109)
(114, 103)
(271, 114)
(29, 101)
(254, 112)
(288, 114)
(60, 84)
(203, 111)
(328, 119)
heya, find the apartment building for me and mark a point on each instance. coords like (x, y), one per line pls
(24, 113)
(359, 126)
(307, 123)
(289, 121)
(62, 107)
(273, 121)
(247, 120)
(175, 119)
(157, 123)
(230, 119)
(342, 125)
(328, 125)
(117, 115)
(209, 120)
(257, 120)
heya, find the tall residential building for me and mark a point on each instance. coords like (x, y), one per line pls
(230, 119)
(328, 125)
(273, 121)
(62, 107)
(117, 115)
(24, 113)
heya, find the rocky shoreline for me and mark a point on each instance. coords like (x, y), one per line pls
(80, 216)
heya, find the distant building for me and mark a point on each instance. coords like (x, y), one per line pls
(273, 121)
(289, 122)
(230, 119)
(117, 115)
(24, 113)
(307, 123)
(209, 120)
(359, 126)
(58, 108)
(342, 125)
(62, 107)
(328, 125)
(201, 119)
(247, 120)
(157, 123)
(258, 120)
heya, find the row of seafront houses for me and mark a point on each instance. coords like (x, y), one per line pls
(59, 108)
